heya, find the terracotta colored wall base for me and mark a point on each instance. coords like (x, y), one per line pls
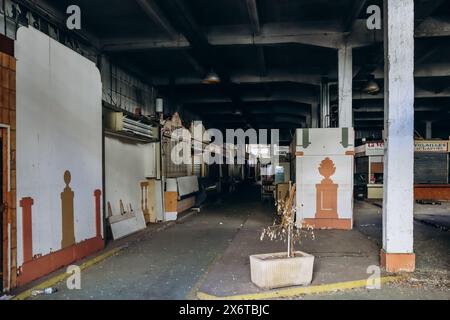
(398, 262)
(44, 265)
(432, 192)
(338, 224)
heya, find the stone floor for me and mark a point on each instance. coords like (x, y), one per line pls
(209, 252)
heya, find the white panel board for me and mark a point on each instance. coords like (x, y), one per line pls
(122, 226)
(126, 165)
(187, 185)
(58, 128)
(330, 141)
(309, 177)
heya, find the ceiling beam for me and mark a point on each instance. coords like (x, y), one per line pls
(261, 61)
(424, 71)
(427, 53)
(246, 78)
(202, 50)
(253, 98)
(256, 29)
(254, 16)
(58, 18)
(356, 10)
(425, 8)
(433, 27)
(155, 14)
(419, 93)
(380, 109)
(321, 34)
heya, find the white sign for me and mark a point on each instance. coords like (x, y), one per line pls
(431, 146)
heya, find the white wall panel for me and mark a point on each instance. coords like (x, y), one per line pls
(58, 129)
(126, 165)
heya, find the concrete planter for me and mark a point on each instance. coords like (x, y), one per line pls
(275, 270)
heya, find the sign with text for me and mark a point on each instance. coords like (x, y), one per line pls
(431, 146)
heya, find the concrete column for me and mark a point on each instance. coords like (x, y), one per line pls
(397, 253)
(345, 71)
(428, 130)
(325, 105)
(315, 116)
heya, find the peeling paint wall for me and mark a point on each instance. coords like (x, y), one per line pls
(59, 119)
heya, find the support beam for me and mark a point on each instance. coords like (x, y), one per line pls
(272, 76)
(357, 8)
(433, 27)
(428, 129)
(325, 105)
(419, 93)
(252, 97)
(326, 35)
(345, 91)
(44, 9)
(424, 71)
(262, 61)
(425, 8)
(254, 17)
(315, 115)
(152, 10)
(398, 212)
(155, 14)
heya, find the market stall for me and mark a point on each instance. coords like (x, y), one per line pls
(431, 169)
(369, 167)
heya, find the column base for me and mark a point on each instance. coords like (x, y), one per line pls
(337, 224)
(398, 262)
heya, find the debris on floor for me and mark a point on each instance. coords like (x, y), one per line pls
(46, 291)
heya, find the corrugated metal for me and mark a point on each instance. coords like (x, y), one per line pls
(431, 168)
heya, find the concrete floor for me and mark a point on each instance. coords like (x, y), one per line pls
(198, 253)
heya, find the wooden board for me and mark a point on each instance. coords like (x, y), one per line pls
(151, 198)
(185, 204)
(170, 201)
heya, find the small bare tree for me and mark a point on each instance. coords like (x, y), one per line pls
(284, 227)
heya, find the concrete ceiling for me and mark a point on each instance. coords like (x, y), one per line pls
(271, 55)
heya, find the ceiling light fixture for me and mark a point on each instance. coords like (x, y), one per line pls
(211, 78)
(372, 87)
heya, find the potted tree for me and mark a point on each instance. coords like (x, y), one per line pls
(283, 269)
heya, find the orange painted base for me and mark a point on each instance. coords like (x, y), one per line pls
(39, 267)
(432, 192)
(338, 224)
(398, 262)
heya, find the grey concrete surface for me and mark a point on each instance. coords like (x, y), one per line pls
(209, 251)
(164, 265)
(339, 256)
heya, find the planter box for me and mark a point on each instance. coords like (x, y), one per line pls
(275, 270)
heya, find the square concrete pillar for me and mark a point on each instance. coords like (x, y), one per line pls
(314, 116)
(345, 70)
(398, 210)
(429, 130)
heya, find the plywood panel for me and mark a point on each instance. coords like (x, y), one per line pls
(170, 201)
